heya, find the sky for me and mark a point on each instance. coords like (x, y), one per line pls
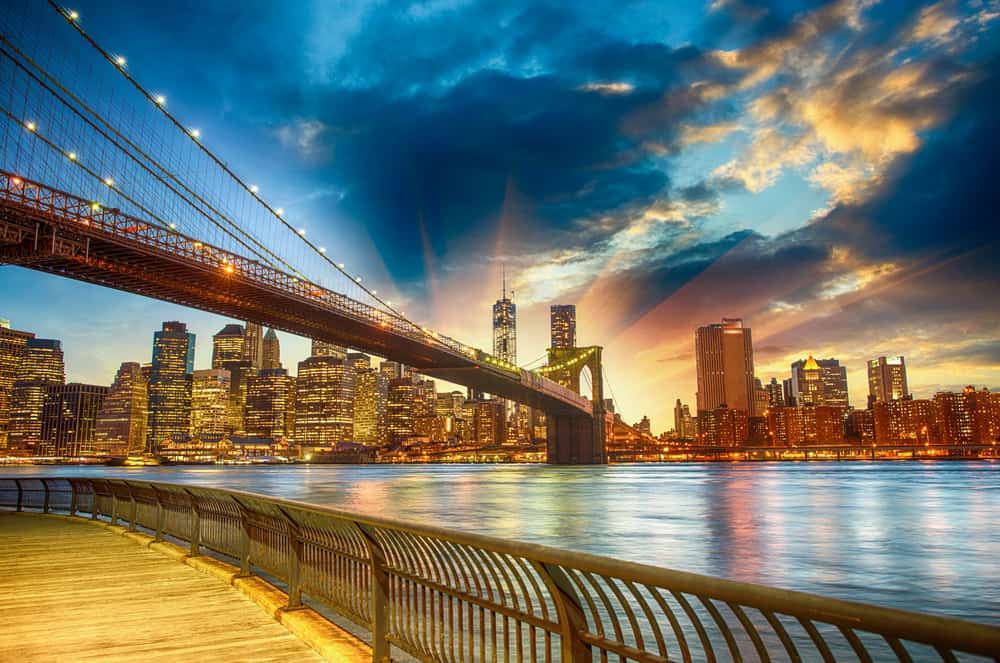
(823, 169)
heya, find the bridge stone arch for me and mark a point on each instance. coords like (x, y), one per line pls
(577, 439)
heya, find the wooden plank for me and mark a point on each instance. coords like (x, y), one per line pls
(73, 591)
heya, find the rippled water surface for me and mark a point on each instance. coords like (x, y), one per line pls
(923, 536)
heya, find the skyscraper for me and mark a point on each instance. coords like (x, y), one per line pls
(170, 384)
(227, 347)
(887, 379)
(724, 358)
(68, 419)
(562, 325)
(227, 353)
(12, 346)
(505, 348)
(269, 404)
(819, 382)
(41, 367)
(775, 394)
(359, 361)
(211, 412)
(371, 391)
(271, 353)
(324, 405)
(324, 349)
(253, 344)
(399, 409)
(120, 428)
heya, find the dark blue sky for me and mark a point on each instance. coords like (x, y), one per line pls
(822, 169)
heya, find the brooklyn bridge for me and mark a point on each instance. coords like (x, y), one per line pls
(101, 182)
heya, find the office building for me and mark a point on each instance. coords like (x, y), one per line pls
(211, 409)
(723, 427)
(69, 417)
(819, 382)
(227, 353)
(271, 351)
(324, 349)
(12, 345)
(775, 394)
(253, 344)
(562, 325)
(227, 346)
(399, 409)
(271, 399)
(324, 408)
(170, 384)
(887, 379)
(41, 367)
(120, 428)
(905, 421)
(724, 359)
(683, 423)
(488, 422)
(806, 425)
(371, 392)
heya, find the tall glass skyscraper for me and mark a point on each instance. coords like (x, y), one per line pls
(271, 354)
(12, 345)
(170, 384)
(562, 325)
(724, 359)
(324, 402)
(41, 367)
(120, 428)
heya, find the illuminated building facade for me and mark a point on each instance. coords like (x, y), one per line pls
(643, 426)
(489, 422)
(68, 419)
(723, 427)
(270, 351)
(683, 423)
(861, 426)
(120, 428)
(211, 410)
(253, 344)
(324, 407)
(399, 409)
(562, 326)
(806, 425)
(12, 345)
(887, 379)
(170, 384)
(956, 417)
(227, 347)
(227, 353)
(775, 394)
(270, 404)
(42, 366)
(359, 361)
(724, 358)
(371, 391)
(819, 382)
(324, 349)
(907, 421)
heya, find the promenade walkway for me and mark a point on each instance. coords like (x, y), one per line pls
(73, 591)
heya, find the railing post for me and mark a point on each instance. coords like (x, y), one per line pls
(93, 504)
(132, 508)
(244, 539)
(72, 498)
(114, 504)
(572, 620)
(195, 526)
(20, 495)
(160, 516)
(45, 503)
(294, 563)
(379, 597)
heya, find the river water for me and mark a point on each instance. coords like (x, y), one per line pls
(917, 535)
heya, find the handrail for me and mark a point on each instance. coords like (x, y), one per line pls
(445, 595)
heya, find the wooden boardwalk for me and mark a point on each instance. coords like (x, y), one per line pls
(72, 591)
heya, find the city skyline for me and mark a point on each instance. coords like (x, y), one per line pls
(741, 200)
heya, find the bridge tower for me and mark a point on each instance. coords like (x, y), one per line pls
(577, 439)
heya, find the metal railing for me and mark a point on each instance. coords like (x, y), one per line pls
(443, 595)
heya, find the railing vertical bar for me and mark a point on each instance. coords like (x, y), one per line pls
(817, 638)
(45, 503)
(786, 641)
(20, 495)
(859, 648)
(899, 650)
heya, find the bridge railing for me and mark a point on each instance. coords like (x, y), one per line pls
(443, 595)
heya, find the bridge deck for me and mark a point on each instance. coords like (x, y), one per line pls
(72, 591)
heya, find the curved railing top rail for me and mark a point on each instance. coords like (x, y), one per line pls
(606, 599)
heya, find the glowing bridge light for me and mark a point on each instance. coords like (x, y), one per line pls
(16, 180)
(29, 125)
(95, 206)
(279, 211)
(254, 188)
(358, 279)
(302, 231)
(173, 226)
(230, 269)
(120, 61)
(72, 156)
(160, 99)
(73, 15)
(322, 249)
(109, 181)
(374, 292)
(196, 133)
(341, 265)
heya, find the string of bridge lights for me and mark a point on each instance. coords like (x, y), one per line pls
(159, 101)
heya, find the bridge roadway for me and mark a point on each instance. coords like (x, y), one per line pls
(52, 231)
(126, 602)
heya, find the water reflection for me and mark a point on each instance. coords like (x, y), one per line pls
(916, 535)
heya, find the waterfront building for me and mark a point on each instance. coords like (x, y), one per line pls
(371, 392)
(724, 360)
(505, 349)
(775, 394)
(723, 427)
(806, 425)
(211, 409)
(324, 405)
(956, 417)
(562, 325)
(270, 404)
(760, 399)
(788, 391)
(41, 367)
(68, 419)
(908, 421)
(861, 426)
(819, 382)
(170, 384)
(887, 379)
(643, 426)
(489, 422)
(12, 345)
(120, 428)
(253, 344)
(271, 351)
(399, 409)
